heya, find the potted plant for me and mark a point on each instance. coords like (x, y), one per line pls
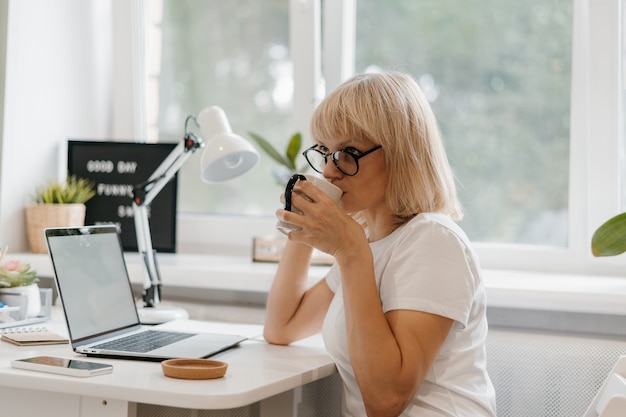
(18, 279)
(286, 160)
(57, 204)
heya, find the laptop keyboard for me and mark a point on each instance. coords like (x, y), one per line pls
(143, 342)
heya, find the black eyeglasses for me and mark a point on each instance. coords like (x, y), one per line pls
(346, 160)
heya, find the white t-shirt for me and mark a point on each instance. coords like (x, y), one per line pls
(426, 265)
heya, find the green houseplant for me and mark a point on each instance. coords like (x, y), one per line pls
(286, 159)
(73, 190)
(57, 204)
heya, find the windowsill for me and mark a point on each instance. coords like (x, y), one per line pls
(505, 289)
(556, 292)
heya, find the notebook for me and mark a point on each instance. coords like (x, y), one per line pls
(30, 336)
(99, 306)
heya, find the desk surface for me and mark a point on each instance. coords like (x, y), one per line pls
(256, 371)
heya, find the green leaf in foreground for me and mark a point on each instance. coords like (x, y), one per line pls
(610, 238)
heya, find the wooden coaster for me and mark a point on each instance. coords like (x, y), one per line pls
(194, 368)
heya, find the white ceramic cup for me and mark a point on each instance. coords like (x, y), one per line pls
(331, 190)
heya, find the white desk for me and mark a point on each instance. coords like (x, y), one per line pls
(257, 372)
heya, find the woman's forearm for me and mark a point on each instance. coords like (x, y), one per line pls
(286, 293)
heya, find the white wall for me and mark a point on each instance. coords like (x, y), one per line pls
(58, 77)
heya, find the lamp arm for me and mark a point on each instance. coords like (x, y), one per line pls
(146, 192)
(152, 278)
(143, 195)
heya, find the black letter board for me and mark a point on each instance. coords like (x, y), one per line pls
(116, 167)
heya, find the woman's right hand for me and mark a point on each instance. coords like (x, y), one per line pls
(324, 225)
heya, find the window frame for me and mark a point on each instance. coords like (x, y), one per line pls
(596, 114)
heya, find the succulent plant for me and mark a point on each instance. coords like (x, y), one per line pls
(16, 274)
(73, 190)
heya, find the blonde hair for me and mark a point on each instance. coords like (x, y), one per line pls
(389, 109)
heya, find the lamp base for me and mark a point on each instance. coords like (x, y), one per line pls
(161, 314)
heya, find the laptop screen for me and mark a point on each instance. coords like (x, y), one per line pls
(92, 279)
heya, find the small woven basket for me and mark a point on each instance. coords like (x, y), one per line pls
(41, 216)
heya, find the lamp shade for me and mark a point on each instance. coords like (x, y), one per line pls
(226, 155)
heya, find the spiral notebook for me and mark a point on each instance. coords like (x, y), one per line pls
(29, 336)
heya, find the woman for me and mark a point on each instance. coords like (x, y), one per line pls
(402, 310)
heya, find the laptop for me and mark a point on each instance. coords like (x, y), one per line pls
(99, 307)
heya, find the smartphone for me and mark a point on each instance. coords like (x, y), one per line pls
(62, 366)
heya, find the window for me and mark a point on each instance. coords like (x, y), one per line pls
(234, 55)
(497, 74)
(528, 96)
(622, 134)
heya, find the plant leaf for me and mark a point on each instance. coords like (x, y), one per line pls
(270, 150)
(293, 149)
(610, 238)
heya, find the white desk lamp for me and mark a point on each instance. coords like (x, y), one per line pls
(225, 156)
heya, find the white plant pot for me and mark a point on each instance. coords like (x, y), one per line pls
(13, 296)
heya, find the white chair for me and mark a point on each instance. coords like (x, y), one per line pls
(610, 401)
